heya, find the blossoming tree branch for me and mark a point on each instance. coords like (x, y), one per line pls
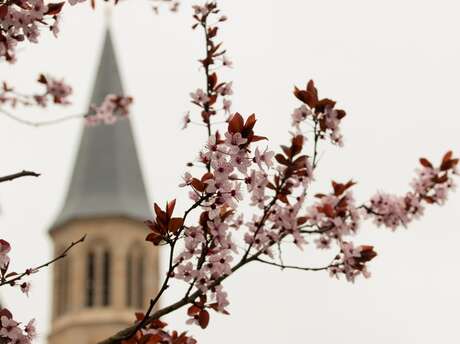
(237, 166)
(214, 237)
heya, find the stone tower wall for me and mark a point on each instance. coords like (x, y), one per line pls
(79, 323)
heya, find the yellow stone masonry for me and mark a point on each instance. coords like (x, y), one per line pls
(79, 323)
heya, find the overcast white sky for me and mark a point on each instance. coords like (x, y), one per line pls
(393, 65)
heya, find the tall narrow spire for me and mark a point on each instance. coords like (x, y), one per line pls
(107, 178)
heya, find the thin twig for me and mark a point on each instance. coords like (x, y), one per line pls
(33, 270)
(40, 123)
(21, 174)
(293, 267)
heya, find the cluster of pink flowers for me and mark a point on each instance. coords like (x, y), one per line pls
(277, 186)
(215, 58)
(23, 19)
(351, 261)
(322, 111)
(56, 92)
(113, 108)
(20, 20)
(333, 217)
(6, 277)
(12, 332)
(430, 186)
(211, 244)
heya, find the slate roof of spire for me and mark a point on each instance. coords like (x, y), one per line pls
(107, 178)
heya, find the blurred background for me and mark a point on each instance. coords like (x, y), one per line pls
(393, 66)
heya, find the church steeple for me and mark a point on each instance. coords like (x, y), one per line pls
(99, 286)
(107, 178)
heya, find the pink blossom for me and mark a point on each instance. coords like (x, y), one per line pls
(38, 9)
(226, 89)
(58, 90)
(30, 329)
(227, 104)
(200, 10)
(266, 157)
(187, 180)
(10, 328)
(186, 120)
(199, 97)
(5, 248)
(234, 141)
(241, 162)
(110, 110)
(227, 62)
(301, 114)
(55, 26)
(221, 299)
(25, 288)
(184, 272)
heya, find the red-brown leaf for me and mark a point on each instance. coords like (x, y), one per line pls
(367, 253)
(428, 199)
(297, 144)
(42, 79)
(207, 176)
(236, 124)
(54, 8)
(425, 163)
(328, 210)
(340, 113)
(170, 207)
(3, 11)
(281, 159)
(203, 319)
(250, 122)
(305, 97)
(301, 220)
(447, 156)
(283, 198)
(154, 238)
(198, 185)
(175, 223)
(256, 138)
(161, 215)
(447, 162)
(213, 80)
(192, 310)
(323, 104)
(212, 32)
(341, 188)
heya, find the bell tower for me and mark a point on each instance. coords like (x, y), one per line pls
(102, 282)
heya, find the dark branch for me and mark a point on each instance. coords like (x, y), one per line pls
(28, 272)
(18, 175)
(143, 322)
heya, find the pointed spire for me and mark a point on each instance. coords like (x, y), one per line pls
(107, 178)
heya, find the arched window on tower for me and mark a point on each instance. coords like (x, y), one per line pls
(135, 264)
(140, 281)
(62, 285)
(90, 279)
(129, 280)
(106, 280)
(98, 276)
